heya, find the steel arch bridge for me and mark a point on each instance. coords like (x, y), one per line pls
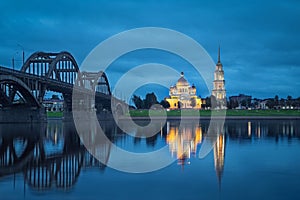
(57, 72)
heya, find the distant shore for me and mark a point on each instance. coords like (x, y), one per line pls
(218, 113)
(215, 117)
(202, 114)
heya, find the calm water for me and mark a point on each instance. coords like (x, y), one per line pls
(250, 160)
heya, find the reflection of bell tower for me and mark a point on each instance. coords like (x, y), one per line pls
(219, 154)
(219, 84)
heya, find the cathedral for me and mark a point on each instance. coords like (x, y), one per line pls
(183, 95)
(219, 91)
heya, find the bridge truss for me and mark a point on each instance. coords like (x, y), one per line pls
(57, 72)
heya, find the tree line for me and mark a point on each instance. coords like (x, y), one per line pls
(289, 102)
(211, 102)
(149, 101)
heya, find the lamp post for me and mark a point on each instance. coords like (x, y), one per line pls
(13, 60)
(23, 53)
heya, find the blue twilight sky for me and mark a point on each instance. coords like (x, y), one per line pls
(260, 45)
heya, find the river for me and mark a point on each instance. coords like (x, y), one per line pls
(250, 159)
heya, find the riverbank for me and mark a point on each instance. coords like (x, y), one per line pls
(215, 118)
(220, 113)
(58, 115)
(204, 114)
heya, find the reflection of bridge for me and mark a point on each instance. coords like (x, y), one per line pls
(43, 168)
(43, 72)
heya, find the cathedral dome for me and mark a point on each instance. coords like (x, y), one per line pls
(182, 81)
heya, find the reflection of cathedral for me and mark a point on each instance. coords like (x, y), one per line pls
(182, 95)
(219, 84)
(183, 142)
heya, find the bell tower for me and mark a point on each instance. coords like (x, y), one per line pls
(219, 84)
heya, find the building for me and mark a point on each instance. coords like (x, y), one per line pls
(219, 84)
(241, 101)
(54, 104)
(183, 95)
(259, 103)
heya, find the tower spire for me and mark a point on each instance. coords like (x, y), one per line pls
(219, 60)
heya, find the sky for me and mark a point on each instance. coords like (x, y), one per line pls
(259, 39)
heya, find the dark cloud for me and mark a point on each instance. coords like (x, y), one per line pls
(259, 39)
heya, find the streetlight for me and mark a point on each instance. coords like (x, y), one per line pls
(13, 60)
(23, 53)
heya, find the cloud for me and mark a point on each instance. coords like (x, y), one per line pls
(259, 39)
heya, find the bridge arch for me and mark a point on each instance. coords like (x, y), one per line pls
(18, 85)
(63, 68)
(97, 81)
(102, 80)
(59, 66)
(37, 58)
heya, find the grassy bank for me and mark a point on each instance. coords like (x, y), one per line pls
(54, 114)
(144, 113)
(174, 113)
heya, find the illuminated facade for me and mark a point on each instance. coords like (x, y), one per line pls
(182, 95)
(219, 84)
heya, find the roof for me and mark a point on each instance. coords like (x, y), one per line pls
(182, 80)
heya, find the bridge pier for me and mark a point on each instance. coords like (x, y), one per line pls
(22, 115)
(67, 114)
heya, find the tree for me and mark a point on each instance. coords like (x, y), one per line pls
(248, 102)
(298, 102)
(207, 102)
(55, 96)
(282, 102)
(164, 104)
(235, 104)
(276, 100)
(255, 104)
(228, 105)
(244, 103)
(270, 103)
(294, 103)
(150, 100)
(289, 101)
(138, 102)
(232, 104)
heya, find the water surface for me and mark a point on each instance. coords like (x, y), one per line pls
(250, 160)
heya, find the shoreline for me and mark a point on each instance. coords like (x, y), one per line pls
(215, 117)
(175, 118)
